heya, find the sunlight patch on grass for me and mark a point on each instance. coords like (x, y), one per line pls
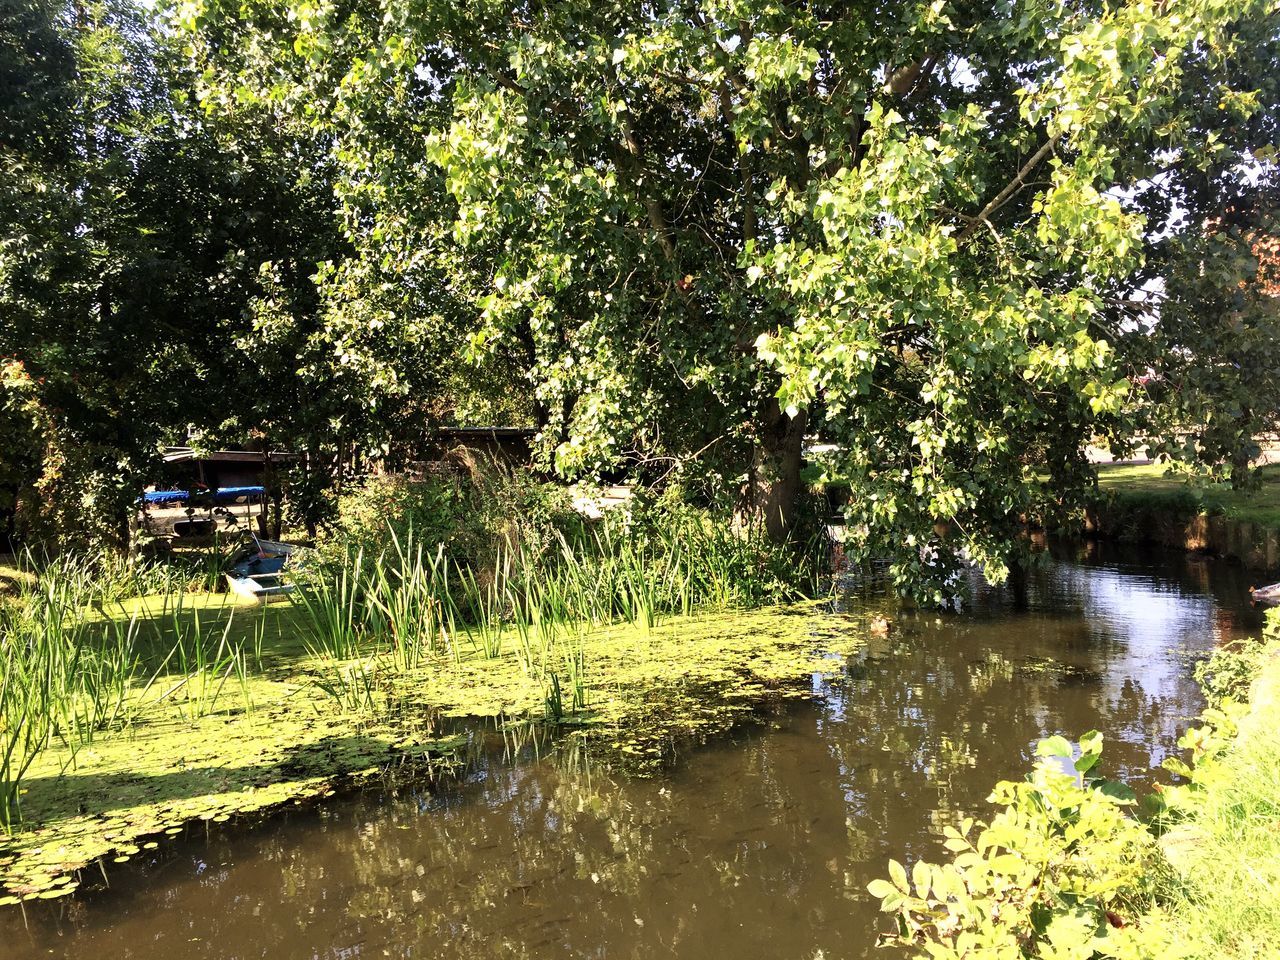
(1230, 903)
(1154, 482)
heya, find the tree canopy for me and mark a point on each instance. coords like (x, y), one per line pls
(952, 242)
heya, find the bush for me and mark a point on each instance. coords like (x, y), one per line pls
(1062, 872)
(474, 509)
(495, 546)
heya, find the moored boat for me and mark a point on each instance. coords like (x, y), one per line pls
(259, 570)
(1268, 595)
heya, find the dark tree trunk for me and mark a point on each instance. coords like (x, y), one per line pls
(773, 479)
(267, 486)
(1242, 457)
(122, 520)
(1019, 581)
(9, 525)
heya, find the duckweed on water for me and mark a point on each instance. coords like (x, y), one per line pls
(280, 738)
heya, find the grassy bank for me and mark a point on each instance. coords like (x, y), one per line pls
(13, 578)
(1145, 503)
(125, 719)
(1154, 486)
(1225, 847)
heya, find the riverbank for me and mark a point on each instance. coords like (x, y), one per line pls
(1142, 503)
(1225, 901)
(284, 725)
(1074, 864)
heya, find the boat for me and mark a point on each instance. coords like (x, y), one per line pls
(1266, 595)
(259, 570)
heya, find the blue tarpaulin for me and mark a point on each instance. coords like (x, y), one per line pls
(164, 496)
(221, 495)
(231, 494)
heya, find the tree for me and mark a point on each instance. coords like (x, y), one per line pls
(721, 226)
(1201, 335)
(699, 232)
(23, 437)
(159, 265)
(78, 95)
(350, 320)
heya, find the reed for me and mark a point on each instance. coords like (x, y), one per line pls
(405, 606)
(69, 672)
(333, 610)
(73, 668)
(63, 677)
(352, 684)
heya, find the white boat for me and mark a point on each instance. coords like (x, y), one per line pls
(1268, 595)
(259, 570)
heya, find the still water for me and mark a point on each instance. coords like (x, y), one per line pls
(759, 844)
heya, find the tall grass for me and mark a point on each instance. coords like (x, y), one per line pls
(410, 603)
(1230, 900)
(1226, 901)
(116, 576)
(62, 678)
(69, 671)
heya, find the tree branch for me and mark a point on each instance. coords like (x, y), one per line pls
(984, 215)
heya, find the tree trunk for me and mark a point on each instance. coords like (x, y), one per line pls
(9, 524)
(1019, 581)
(773, 480)
(1242, 457)
(267, 484)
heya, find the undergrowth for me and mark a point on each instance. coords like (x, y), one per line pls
(1069, 869)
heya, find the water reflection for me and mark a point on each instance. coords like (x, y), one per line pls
(757, 846)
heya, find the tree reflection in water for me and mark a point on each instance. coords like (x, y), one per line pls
(758, 845)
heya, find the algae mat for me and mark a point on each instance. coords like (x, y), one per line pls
(279, 738)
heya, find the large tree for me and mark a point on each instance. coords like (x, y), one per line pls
(709, 228)
(1201, 331)
(80, 96)
(360, 360)
(168, 266)
(698, 231)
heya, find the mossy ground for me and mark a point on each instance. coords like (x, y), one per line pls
(1154, 483)
(12, 577)
(279, 738)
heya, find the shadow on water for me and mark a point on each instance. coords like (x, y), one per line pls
(758, 845)
(114, 790)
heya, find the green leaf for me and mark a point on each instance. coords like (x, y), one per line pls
(1120, 792)
(921, 876)
(1055, 746)
(880, 888)
(898, 874)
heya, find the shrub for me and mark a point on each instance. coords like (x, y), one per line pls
(475, 509)
(1062, 872)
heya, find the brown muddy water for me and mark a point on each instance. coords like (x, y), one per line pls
(759, 844)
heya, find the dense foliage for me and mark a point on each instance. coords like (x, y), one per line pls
(1068, 869)
(954, 241)
(1061, 872)
(507, 525)
(171, 273)
(701, 231)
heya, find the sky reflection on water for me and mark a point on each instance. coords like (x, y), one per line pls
(758, 845)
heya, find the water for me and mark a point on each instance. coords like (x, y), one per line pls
(757, 845)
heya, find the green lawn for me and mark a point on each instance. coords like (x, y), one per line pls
(11, 576)
(1155, 482)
